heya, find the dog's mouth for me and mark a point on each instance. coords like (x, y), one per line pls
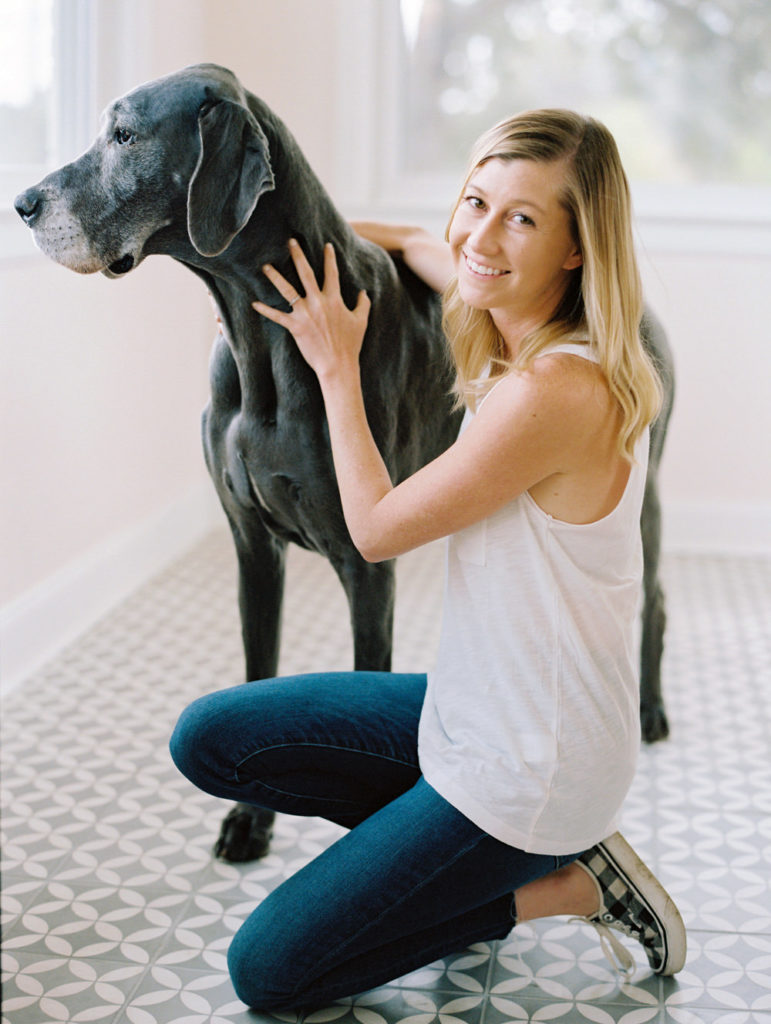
(121, 266)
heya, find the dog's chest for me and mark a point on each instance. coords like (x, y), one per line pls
(286, 477)
(268, 452)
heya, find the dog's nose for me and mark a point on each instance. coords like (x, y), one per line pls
(28, 205)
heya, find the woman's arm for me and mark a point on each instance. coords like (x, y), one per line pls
(532, 426)
(425, 254)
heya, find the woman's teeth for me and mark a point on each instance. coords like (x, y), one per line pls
(478, 268)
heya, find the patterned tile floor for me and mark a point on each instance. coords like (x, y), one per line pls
(115, 911)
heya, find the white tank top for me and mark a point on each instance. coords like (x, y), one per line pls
(531, 724)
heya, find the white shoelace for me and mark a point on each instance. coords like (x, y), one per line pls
(617, 955)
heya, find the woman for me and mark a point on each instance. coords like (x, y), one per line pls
(488, 794)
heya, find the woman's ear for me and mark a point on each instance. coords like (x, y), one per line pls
(575, 259)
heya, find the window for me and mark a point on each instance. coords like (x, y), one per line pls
(46, 114)
(26, 80)
(684, 85)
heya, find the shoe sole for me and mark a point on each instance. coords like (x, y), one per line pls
(641, 879)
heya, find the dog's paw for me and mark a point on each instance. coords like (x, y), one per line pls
(653, 719)
(245, 834)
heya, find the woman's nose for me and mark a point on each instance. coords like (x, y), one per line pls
(483, 236)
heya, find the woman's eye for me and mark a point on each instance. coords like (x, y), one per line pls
(475, 202)
(123, 136)
(522, 218)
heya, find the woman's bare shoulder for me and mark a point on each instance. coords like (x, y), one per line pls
(558, 378)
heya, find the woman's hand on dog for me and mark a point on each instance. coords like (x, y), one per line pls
(328, 333)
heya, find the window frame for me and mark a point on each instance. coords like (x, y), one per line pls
(693, 218)
(85, 69)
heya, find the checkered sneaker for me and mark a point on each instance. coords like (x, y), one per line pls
(632, 901)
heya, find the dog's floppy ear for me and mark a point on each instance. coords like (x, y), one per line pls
(232, 173)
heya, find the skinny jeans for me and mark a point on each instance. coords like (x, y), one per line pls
(412, 881)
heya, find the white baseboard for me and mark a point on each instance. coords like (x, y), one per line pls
(716, 528)
(52, 614)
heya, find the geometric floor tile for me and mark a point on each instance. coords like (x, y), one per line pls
(114, 910)
(56, 989)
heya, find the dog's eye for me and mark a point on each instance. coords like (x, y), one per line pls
(123, 136)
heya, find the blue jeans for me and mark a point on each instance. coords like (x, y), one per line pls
(413, 880)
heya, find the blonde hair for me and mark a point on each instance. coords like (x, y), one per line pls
(603, 299)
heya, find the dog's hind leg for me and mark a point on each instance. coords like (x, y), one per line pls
(246, 830)
(653, 716)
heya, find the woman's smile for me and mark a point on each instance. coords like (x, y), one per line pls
(482, 268)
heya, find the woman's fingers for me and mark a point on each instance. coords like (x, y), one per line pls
(303, 268)
(329, 294)
(331, 274)
(286, 290)
(362, 307)
(270, 313)
(304, 271)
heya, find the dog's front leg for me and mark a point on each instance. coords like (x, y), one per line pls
(370, 590)
(261, 566)
(246, 830)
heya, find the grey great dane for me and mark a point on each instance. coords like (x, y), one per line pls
(194, 167)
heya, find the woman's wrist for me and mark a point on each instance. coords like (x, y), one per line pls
(340, 381)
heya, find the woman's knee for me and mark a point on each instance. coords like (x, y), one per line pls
(262, 975)
(193, 742)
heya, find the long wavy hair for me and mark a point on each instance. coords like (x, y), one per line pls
(603, 299)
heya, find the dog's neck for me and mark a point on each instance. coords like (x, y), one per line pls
(236, 279)
(299, 207)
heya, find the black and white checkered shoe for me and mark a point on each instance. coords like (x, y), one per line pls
(632, 901)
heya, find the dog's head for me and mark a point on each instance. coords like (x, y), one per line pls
(182, 153)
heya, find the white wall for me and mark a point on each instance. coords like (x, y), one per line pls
(716, 474)
(103, 385)
(103, 381)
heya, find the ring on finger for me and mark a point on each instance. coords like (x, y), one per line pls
(295, 299)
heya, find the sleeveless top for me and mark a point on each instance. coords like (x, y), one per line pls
(531, 725)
